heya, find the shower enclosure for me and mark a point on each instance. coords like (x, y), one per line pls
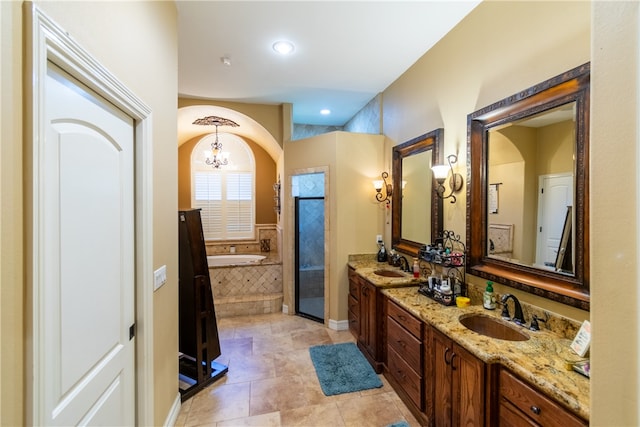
(309, 245)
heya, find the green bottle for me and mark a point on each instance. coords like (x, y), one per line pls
(488, 299)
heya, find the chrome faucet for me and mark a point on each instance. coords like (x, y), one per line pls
(518, 317)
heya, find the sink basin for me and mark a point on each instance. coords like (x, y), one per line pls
(492, 327)
(389, 273)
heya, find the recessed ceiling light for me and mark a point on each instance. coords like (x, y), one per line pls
(283, 47)
(325, 111)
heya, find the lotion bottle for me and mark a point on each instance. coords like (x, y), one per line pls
(416, 268)
(488, 299)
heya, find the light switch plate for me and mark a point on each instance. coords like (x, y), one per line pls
(378, 238)
(159, 277)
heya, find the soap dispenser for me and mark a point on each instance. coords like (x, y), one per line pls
(488, 299)
(382, 253)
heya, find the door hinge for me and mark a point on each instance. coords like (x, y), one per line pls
(132, 331)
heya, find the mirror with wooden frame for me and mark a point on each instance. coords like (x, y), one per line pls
(416, 208)
(528, 190)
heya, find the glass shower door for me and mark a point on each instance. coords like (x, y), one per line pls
(309, 257)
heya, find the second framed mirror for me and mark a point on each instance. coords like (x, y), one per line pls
(416, 208)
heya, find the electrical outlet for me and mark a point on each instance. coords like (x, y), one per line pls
(378, 238)
(159, 277)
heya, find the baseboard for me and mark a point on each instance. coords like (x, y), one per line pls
(172, 416)
(285, 309)
(338, 325)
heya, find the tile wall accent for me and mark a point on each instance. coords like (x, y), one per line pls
(243, 290)
(263, 232)
(248, 289)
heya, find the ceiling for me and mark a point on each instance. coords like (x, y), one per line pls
(346, 52)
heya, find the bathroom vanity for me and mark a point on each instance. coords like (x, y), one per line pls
(448, 375)
(366, 307)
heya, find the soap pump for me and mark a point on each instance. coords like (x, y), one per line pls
(382, 253)
(488, 299)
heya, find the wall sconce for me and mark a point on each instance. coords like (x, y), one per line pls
(383, 184)
(440, 173)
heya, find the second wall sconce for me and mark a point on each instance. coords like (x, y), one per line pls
(381, 184)
(440, 173)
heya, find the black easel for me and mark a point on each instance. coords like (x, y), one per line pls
(198, 330)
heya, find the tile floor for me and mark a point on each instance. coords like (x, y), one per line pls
(272, 382)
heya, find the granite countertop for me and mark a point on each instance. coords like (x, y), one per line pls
(539, 360)
(367, 268)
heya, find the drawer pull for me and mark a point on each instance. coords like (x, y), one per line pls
(401, 343)
(453, 355)
(535, 410)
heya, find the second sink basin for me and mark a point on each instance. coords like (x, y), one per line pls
(389, 273)
(492, 327)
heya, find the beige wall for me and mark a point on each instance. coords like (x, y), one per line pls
(266, 176)
(351, 162)
(482, 60)
(12, 290)
(118, 35)
(502, 48)
(614, 201)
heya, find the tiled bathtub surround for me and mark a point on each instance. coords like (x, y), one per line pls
(248, 289)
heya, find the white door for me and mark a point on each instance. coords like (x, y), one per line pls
(555, 193)
(87, 258)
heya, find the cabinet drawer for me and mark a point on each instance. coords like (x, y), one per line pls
(410, 382)
(354, 288)
(401, 316)
(354, 306)
(405, 344)
(533, 404)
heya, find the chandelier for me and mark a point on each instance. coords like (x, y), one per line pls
(216, 157)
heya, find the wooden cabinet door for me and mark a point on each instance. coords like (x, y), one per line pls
(468, 379)
(442, 381)
(458, 384)
(368, 312)
(354, 303)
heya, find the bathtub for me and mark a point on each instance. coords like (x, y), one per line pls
(233, 259)
(243, 285)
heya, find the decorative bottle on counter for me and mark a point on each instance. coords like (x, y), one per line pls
(488, 299)
(445, 291)
(382, 253)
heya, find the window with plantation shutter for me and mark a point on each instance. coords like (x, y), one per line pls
(225, 195)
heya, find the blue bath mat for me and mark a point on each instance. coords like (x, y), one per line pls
(341, 368)
(399, 424)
